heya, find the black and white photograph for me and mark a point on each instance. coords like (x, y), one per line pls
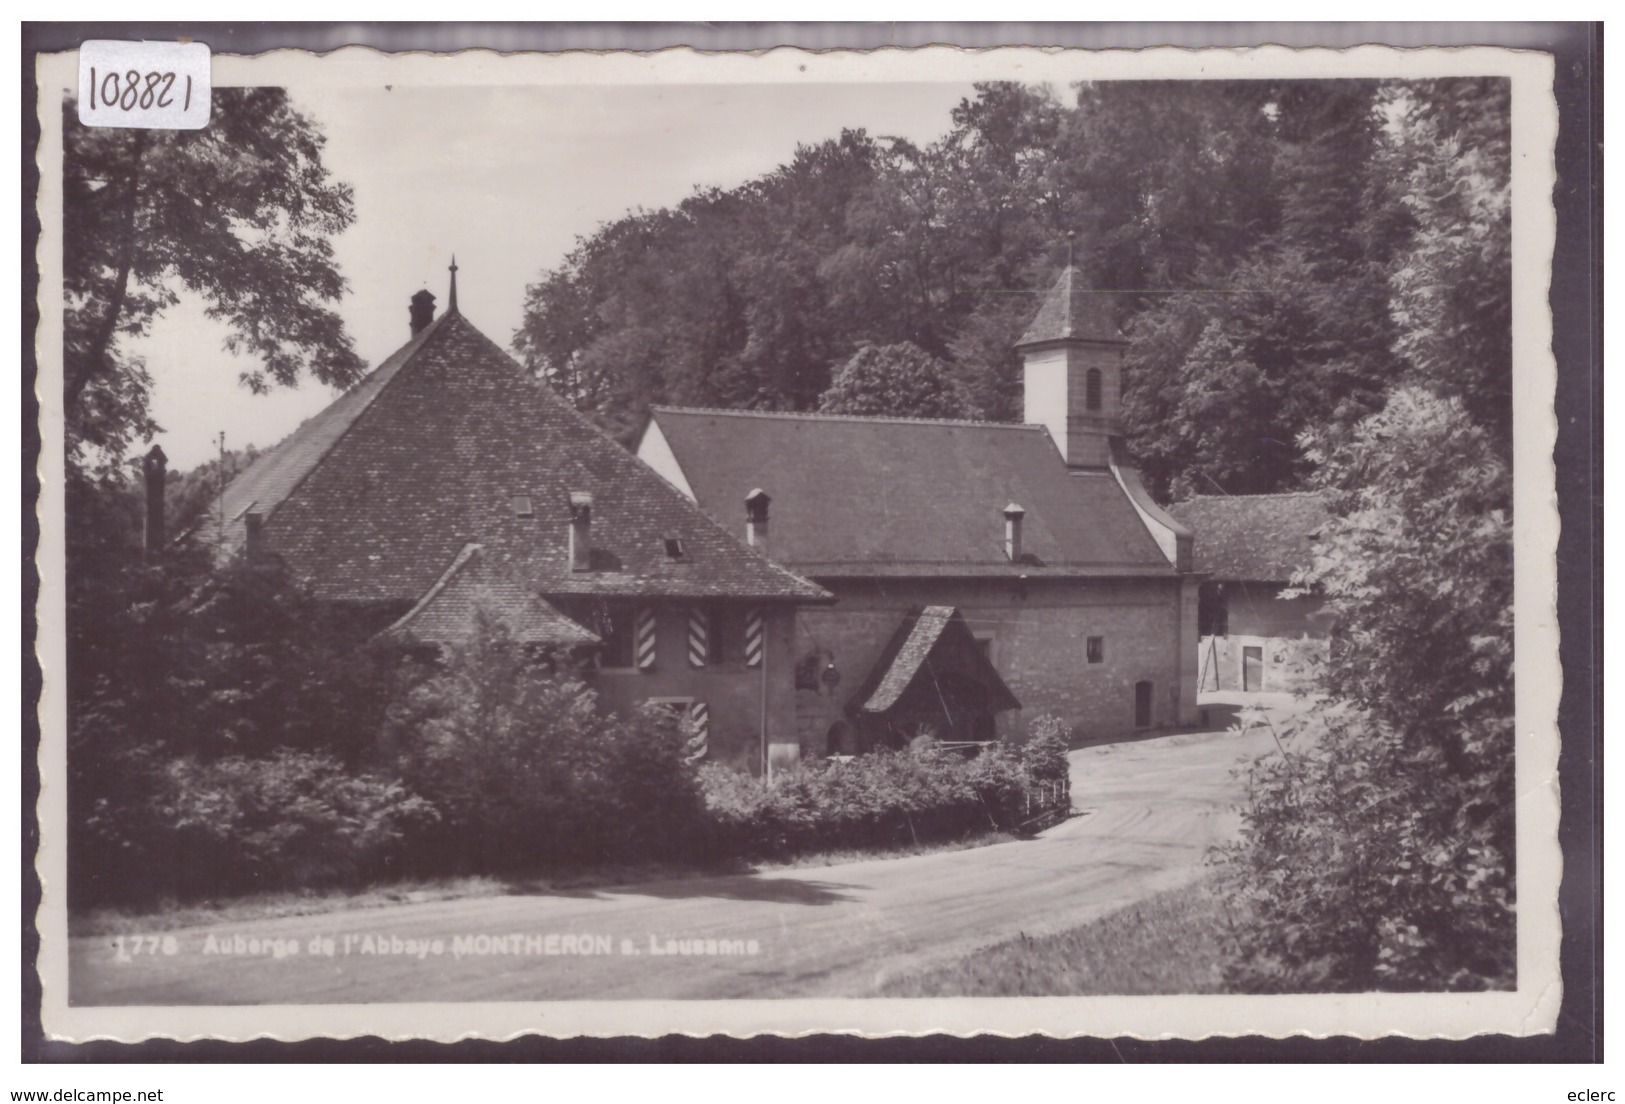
(614, 544)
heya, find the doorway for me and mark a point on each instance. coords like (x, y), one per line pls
(1142, 704)
(1252, 667)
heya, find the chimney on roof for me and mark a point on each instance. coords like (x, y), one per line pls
(580, 531)
(1012, 531)
(155, 469)
(422, 311)
(756, 504)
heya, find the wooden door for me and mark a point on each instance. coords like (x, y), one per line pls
(1252, 667)
(1142, 705)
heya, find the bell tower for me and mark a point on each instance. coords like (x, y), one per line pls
(1072, 370)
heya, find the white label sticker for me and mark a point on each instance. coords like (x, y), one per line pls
(148, 85)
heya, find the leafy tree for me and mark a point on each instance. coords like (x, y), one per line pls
(240, 213)
(525, 769)
(897, 380)
(1452, 283)
(1170, 178)
(983, 359)
(1377, 850)
(1283, 253)
(1287, 331)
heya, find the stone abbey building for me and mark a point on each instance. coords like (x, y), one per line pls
(1034, 546)
(800, 585)
(449, 477)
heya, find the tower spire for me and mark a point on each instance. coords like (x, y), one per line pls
(451, 300)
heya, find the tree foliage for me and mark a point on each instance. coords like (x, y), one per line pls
(1282, 253)
(1452, 282)
(900, 380)
(240, 213)
(1378, 848)
(527, 770)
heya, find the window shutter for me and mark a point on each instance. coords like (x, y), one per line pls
(753, 637)
(699, 745)
(645, 643)
(698, 644)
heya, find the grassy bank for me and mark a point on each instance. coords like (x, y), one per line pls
(249, 908)
(1164, 944)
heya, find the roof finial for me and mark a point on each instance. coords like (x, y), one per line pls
(1070, 234)
(451, 300)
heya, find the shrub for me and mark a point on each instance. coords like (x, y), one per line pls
(293, 819)
(525, 769)
(882, 799)
(296, 818)
(1377, 851)
(1366, 863)
(1044, 749)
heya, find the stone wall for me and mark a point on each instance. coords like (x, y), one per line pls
(1037, 635)
(1288, 663)
(1257, 609)
(731, 691)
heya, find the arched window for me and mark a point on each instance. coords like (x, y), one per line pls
(1091, 389)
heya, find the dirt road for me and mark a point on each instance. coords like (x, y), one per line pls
(1148, 811)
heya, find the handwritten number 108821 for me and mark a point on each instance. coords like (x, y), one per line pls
(134, 89)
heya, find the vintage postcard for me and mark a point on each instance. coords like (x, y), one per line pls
(899, 542)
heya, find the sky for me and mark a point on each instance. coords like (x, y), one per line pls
(506, 179)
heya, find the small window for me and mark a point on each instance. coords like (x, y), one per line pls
(615, 623)
(521, 506)
(677, 707)
(1091, 389)
(984, 644)
(1095, 649)
(716, 633)
(674, 548)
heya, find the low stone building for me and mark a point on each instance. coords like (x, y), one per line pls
(1039, 538)
(448, 477)
(1252, 636)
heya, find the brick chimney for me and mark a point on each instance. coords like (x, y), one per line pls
(155, 470)
(422, 311)
(1012, 531)
(756, 504)
(580, 531)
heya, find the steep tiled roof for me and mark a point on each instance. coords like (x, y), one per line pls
(445, 614)
(909, 655)
(275, 474)
(893, 496)
(373, 498)
(1263, 538)
(1074, 310)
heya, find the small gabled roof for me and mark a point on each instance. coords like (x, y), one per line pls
(1253, 538)
(446, 613)
(370, 500)
(868, 496)
(908, 656)
(1073, 311)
